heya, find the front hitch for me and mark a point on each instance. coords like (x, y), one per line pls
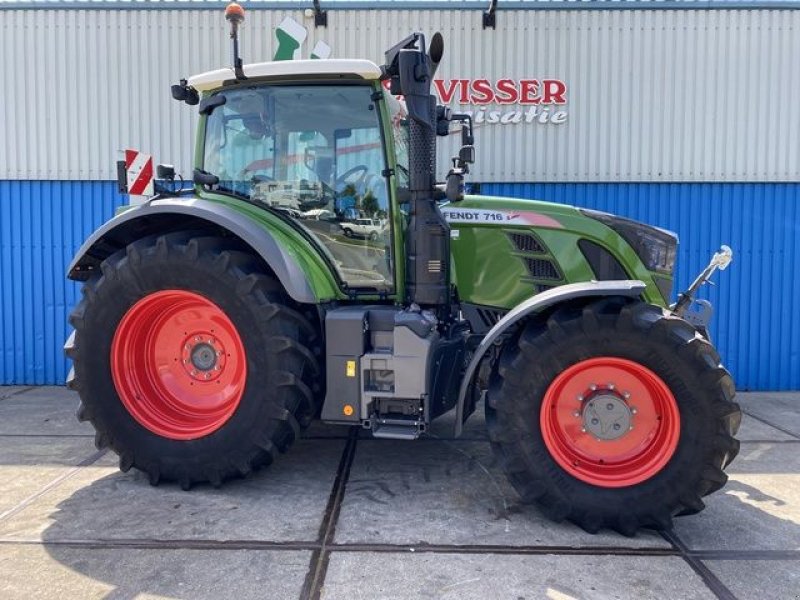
(700, 315)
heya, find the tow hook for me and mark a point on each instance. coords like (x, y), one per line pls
(701, 312)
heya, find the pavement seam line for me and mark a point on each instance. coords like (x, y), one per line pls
(18, 392)
(711, 581)
(318, 564)
(52, 485)
(256, 545)
(771, 424)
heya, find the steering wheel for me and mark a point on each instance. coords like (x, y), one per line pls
(361, 170)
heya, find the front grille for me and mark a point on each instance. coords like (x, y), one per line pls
(527, 242)
(541, 268)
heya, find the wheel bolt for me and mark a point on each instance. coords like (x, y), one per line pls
(616, 426)
(609, 406)
(633, 410)
(595, 421)
(216, 368)
(197, 338)
(626, 395)
(583, 429)
(208, 375)
(576, 414)
(593, 387)
(580, 398)
(611, 386)
(194, 372)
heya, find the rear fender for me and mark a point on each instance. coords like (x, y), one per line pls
(532, 306)
(173, 214)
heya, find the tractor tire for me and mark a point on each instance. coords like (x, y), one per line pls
(190, 362)
(612, 414)
(348, 232)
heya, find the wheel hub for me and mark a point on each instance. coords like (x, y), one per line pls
(203, 356)
(607, 416)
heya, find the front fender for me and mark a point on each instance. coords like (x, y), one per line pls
(536, 304)
(302, 278)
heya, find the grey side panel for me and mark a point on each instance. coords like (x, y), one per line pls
(284, 265)
(632, 288)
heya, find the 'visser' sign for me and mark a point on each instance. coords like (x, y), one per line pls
(507, 101)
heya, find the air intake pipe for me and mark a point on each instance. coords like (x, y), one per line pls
(410, 70)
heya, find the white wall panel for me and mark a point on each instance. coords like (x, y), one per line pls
(672, 95)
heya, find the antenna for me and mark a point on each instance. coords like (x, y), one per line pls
(235, 14)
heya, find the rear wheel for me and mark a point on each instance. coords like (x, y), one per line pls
(190, 362)
(613, 414)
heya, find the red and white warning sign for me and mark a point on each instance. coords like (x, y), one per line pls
(139, 169)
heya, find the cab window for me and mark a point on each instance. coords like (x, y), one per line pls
(315, 155)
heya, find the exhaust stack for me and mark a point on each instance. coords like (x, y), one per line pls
(410, 70)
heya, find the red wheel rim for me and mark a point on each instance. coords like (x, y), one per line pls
(610, 422)
(178, 364)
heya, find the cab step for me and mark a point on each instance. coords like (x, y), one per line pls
(395, 428)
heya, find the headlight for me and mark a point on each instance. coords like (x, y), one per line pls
(655, 247)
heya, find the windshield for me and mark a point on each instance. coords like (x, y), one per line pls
(315, 154)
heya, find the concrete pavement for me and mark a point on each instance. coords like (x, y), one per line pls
(344, 516)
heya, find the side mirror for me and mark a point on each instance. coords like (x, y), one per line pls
(466, 156)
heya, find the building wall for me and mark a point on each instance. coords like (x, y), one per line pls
(652, 95)
(686, 119)
(756, 325)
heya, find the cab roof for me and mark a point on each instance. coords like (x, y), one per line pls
(288, 68)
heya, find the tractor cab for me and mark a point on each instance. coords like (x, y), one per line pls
(311, 149)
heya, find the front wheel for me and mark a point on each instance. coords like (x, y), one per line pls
(613, 414)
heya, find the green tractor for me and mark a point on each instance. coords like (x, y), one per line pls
(218, 322)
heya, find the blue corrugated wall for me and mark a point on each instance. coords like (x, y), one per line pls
(757, 325)
(42, 223)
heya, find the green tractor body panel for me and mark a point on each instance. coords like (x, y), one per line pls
(490, 269)
(308, 255)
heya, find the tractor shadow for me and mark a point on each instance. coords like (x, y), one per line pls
(119, 530)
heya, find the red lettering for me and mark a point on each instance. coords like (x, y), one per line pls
(529, 91)
(464, 97)
(447, 90)
(555, 92)
(482, 92)
(506, 91)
